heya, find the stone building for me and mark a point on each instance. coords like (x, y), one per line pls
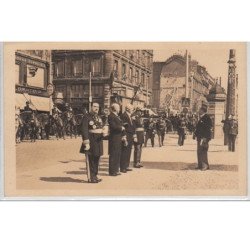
(116, 76)
(177, 87)
(32, 75)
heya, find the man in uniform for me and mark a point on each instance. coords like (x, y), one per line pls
(203, 135)
(92, 136)
(161, 130)
(130, 136)
(150, 128)
(116, 138)
(181, 130)
(232, 133)
(139, 129)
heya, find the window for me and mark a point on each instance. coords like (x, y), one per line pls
(59, 68)
(137, 54)
(143, 79)
(124, 77)
(77, 67)
(137, 76)
(17, 73)
(116, 69)
(97, 90)
(68, 67)
(96, 66)
(131, 74)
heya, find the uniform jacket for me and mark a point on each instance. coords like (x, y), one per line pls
(138, 123)
(233, 127)
(203, 127)
(181, 126)
(161, 126)
(91, 122)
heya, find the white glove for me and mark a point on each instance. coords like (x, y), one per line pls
(87, 147)
(135, 140)
(123, 128)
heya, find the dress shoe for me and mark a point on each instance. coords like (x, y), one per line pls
(124, 171)
(204, 169)
(112, 174)
(92, 181)
(118, 173)
(136, 166)
(197, 168)
(99, 180)
(140, 165)
(129, 169)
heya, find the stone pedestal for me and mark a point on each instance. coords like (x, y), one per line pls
(216, 109)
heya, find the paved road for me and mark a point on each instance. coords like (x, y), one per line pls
(56, 167)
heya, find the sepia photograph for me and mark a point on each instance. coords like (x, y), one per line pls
(145, 120)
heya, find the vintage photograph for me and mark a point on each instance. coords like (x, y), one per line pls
(125, 119)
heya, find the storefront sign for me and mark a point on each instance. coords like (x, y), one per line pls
(31, 91)
(30, 61)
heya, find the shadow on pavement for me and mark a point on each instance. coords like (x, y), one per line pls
(180, 166)
(62, 179)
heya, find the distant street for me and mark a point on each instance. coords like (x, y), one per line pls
(57, 166)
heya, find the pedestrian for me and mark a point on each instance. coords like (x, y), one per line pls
(92, 136)
(181, 130)
(161, 130)
(226, 127)
(203, 136)
(232, 133)
(150, 128)
(27, 107)
(130, 136)
(139, 129)
(116, 138)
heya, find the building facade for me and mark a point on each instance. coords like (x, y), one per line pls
(122, 76)
(177, 86)
(32, 75)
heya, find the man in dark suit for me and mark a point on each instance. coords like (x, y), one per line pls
(232, 133)
(92, 139)
(130, 136)
(116, 138)
(203, 135)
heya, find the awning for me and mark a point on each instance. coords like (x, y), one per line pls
(40, 103)
(36, 102)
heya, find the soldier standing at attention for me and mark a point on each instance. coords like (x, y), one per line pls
(139, 130)
(150, 128)
(161, 130)
(116, 137)
(92, 136)
(203, 135)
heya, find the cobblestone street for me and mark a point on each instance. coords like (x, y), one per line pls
(58, 166)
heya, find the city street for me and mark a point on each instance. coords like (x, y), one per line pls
(57, 165)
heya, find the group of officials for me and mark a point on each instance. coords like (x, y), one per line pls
(125, 131)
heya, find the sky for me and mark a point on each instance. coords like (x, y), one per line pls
(213, 56)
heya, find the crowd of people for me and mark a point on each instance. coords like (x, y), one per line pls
(131, 129)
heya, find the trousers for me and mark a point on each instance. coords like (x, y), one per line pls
(137, 154)
(93, 165)
(202, 155)
(231, 142)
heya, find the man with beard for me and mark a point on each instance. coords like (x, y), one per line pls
(92, 136)
(116, 138)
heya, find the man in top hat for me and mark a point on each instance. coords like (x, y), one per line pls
(116, 138)
(203, 135)
(232, 133)
(92, 137)
(139, 130)
(27, 107)
(130, 136)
